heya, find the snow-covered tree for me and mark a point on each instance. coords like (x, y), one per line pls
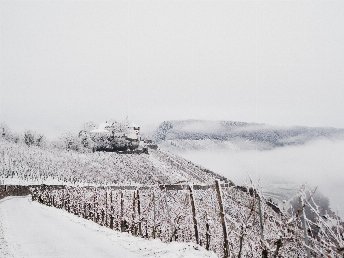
(7, 134)
(31, 138)
(324, 230)
(162, 131)
(71, 142)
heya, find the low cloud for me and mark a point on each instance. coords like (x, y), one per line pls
(319, 163)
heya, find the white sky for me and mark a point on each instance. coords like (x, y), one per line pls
(66, 62)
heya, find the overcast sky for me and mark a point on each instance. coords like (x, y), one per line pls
(66, 62)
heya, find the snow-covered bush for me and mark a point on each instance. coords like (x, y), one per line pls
(7, 134)
(31, 138)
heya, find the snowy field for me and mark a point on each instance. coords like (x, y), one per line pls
(21, 164)
(31, 230)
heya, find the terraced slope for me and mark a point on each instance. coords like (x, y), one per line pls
(30, 165)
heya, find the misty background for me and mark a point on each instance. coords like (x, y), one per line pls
(279, 159)
(66, 62)
(284, 170)
(277, 62)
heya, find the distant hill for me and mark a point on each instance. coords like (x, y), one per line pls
(199, 134)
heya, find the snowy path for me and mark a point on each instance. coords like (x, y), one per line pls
(28, 229)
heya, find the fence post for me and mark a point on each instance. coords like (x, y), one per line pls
(84, 206)
(168, 212)
(111, 215)
(121, 214)
(133, 225)
(223, 220)
(122, 205)
(62, 199)
(106, 207)
(154, 217)
(261, 216)
(117, 223)
(194, 214)
(304, 226)
(139, 211)
(207, 233)
(94, 207)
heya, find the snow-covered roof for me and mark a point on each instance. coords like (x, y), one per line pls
(99, 130)
(108, 127)
(134, 125)
(132, 136)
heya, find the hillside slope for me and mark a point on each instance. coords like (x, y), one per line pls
(28, 165)
(22, 164)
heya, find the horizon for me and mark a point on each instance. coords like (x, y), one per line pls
(63, 63)
(147, 128)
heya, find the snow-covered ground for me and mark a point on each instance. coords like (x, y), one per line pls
(31, 230)
(21, 164)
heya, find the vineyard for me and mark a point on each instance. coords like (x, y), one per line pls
(221, 217)
(162, 196)
(20, 164)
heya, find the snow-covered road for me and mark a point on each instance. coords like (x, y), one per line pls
(31, 230)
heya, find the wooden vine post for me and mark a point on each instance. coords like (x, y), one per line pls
(223, 220)
(111, 211)
(154, 217)
(207, 236)
(139, 211)
(106, 208)
(304, 225)
(261, 220)
(94, 206)
(194, 214)
(122, 213)
(168, 210)
(133, 225)
(85, 206)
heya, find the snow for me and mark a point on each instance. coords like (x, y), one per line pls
(23, 164)
(99, 131)
(29, 229)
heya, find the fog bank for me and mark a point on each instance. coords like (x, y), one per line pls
(319, 163)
